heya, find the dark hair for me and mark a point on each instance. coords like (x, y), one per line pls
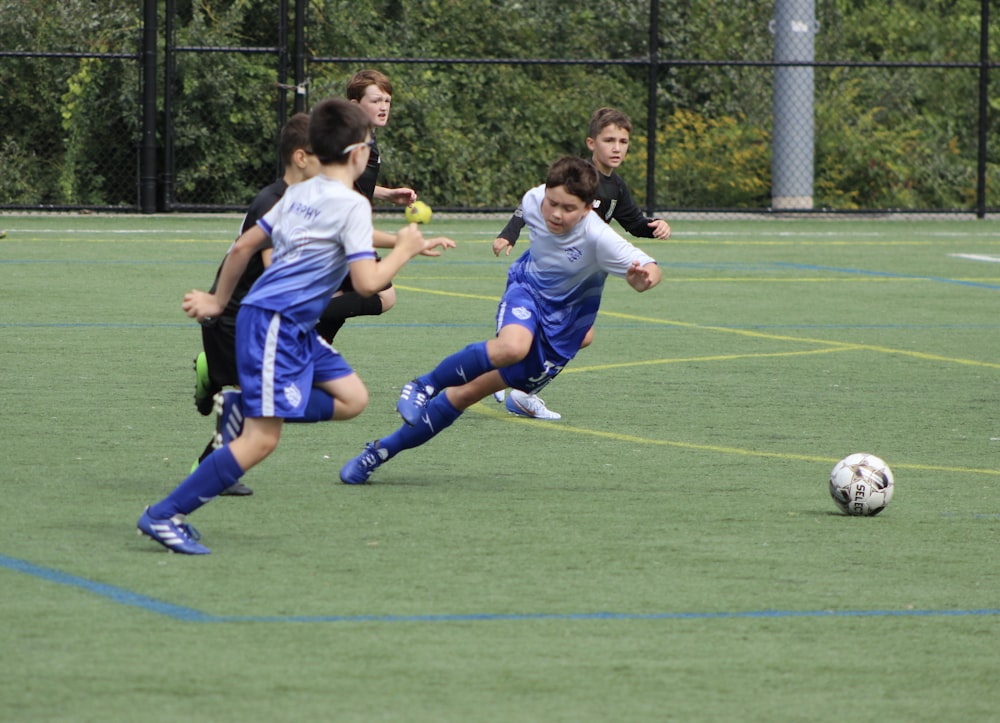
(360, 81)
(604, 117)
(294, 135)
(577, 175)
(334, 124)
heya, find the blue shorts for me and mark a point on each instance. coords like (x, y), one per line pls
(278, 363)
(542, 362)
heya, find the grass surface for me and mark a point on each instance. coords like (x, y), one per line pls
(667, 551)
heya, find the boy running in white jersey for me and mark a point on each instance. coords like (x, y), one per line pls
(321, 230)
(551, 301)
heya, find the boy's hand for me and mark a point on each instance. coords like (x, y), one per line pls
(432, 243)
(501, 244)
(412, 241)
(399, 196)
(661, 229)
(642, 278)
(201, 305)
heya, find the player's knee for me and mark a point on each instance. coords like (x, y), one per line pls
(504, 352)
(350, 405)
(388, 297)
(253, 446)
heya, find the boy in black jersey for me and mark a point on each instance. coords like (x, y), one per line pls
(607, 139)
(372, 90)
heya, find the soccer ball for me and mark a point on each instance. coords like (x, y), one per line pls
(861, 484)
(418, 212)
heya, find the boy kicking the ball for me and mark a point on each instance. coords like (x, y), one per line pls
(551, 301)
(321, 230)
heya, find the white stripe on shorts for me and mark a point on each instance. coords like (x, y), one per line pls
(267, 368)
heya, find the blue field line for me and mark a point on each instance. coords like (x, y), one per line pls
(185, 614)
(112, 593)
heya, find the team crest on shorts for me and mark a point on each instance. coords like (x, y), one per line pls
(293, 395)
(521, 313)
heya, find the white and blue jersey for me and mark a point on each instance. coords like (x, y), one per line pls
(554, 289)
(317, 229)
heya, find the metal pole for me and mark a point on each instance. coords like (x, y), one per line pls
(300, 55)
(984, 89)
(282, 81)
(147, 172)
(792, 151)
(169, 75)
(652, 83)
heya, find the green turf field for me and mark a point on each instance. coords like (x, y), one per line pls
(668, 551)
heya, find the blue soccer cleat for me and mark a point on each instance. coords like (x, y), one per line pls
(173, 533)
(228, 417)
(413, 400)
(358, 470)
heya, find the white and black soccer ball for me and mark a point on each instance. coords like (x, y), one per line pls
(861, 484)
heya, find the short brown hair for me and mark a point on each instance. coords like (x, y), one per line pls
(604, 117)
(362, 79)
(334, 124)
(294, 135)
(576, 175)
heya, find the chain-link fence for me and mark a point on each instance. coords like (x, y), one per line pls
(788, 132)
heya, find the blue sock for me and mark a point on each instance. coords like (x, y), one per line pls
(439, 414)
(461, 367)
(319, 408)
(219, 471)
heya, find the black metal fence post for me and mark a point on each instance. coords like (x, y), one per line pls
(984, 90)
(147, 158)
(653, 76)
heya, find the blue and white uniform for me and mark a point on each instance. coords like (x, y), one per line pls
(554, 289)
(317, 229)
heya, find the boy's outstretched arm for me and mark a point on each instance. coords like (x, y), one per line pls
(643, 278)
(399, 196)
(386, 240)
(202, 305)
(369, 276)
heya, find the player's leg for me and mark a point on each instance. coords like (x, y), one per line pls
(509, 346)
(531, 405)
(219, 343)
(439, 414)
(347, 304)
(164, 521)
(337, 392)
(349, 396)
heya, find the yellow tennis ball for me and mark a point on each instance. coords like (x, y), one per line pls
(418, 212)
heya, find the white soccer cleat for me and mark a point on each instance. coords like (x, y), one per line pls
(498, 396)
(529, 405)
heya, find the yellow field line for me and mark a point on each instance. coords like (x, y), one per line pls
(741, 332)
(715, 357)
(491, 411)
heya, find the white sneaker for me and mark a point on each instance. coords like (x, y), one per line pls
(498, 396)
(528, 405)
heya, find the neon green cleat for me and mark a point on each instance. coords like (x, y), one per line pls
(203, 392)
